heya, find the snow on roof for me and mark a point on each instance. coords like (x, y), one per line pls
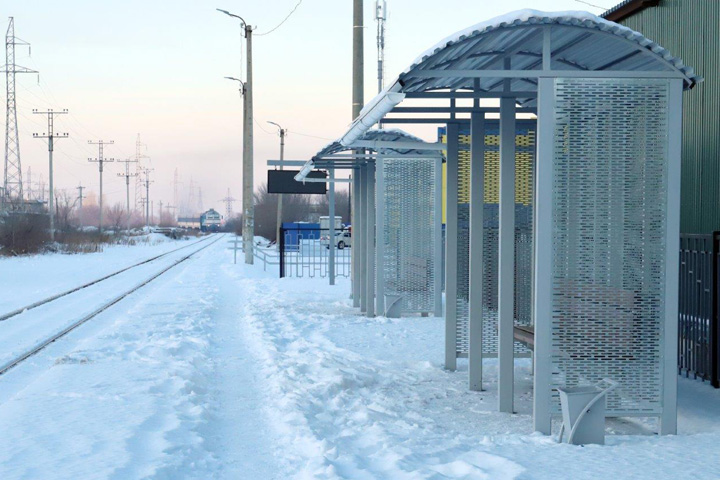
(595, 44)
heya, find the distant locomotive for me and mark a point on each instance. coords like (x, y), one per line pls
(211, 221)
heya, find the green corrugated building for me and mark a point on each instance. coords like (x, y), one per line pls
(689, 29)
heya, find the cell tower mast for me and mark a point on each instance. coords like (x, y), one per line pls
(380, 18)
(13, 169)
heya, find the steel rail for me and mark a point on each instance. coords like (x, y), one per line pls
(20, 310)
(40, 346)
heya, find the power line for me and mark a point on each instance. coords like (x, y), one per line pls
(592, 5)
(284, 20)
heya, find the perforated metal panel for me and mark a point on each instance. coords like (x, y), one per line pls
(608, 260)
(409, 268)
(524, 161)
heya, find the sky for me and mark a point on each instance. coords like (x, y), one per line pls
(156, 68)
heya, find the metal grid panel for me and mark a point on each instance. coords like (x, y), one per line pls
(409, 266)
(608, 260)
(525, 161)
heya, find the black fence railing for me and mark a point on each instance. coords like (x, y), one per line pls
(305, 252)
(698, 346)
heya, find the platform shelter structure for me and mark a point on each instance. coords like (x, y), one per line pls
(605, 210)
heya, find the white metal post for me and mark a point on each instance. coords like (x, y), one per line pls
(543, 235)
(451, 246)
(668, 420)
(437, 254)
(506, 260)
(331, 227)
(379, 236)
(354, 249)
(361, 237)
(477, 210)
(370, 240)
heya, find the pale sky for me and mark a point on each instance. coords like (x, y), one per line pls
(156, 68)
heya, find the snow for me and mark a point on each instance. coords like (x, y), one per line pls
(34, 277)
(217, 370)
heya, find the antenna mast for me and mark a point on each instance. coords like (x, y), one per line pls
(381, 17)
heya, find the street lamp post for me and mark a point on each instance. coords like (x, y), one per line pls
(248, 205)
(282, 132)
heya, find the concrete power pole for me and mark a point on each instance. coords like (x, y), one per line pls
(147, 194)
(278, 223)
(80, 198)
(100, 160)
(51, 136)
(248, 205)
(358, 66)
(127, 176)
(13, 187)
(247, 89)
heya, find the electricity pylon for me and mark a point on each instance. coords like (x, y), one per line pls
(229, 200)
(13, 188)
(138, 169)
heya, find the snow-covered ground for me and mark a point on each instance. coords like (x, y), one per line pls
(223, 371)
(34, 277)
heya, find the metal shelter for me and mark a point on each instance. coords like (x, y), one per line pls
(605, 214)
(397, 198)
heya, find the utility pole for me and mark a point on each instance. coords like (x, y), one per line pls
(248, 206)
(160, 206)
(13, 187)
(147, 194)
(229, 200)
(127, 176)
(80, 198)
(100, 160)
(357, 104)
(278, 223)
(51, 136)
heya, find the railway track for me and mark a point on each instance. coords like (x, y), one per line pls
(20, 310)
(37, 347)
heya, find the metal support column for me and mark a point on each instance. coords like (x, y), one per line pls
(354, 223)
(451, 246)
(668, 421)
(506, 260)
(361, 237)
(379, 236)
(543, 236)
(370, 240)
(331, 227)
(477, 210)
(437, 254)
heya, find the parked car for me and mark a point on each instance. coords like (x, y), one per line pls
(342, 239)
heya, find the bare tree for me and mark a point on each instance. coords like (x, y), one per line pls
(117, 217)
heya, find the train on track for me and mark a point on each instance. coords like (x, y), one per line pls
(211, 221)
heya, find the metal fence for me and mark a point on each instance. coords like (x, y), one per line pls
(698, 346)
(305, 252)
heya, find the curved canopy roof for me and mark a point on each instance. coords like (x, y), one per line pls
(381, 135)
(510, 48)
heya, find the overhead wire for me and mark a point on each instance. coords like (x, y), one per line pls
(281, 23)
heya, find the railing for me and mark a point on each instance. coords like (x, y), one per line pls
(267, 255)
(698, 346)
(305, 252)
